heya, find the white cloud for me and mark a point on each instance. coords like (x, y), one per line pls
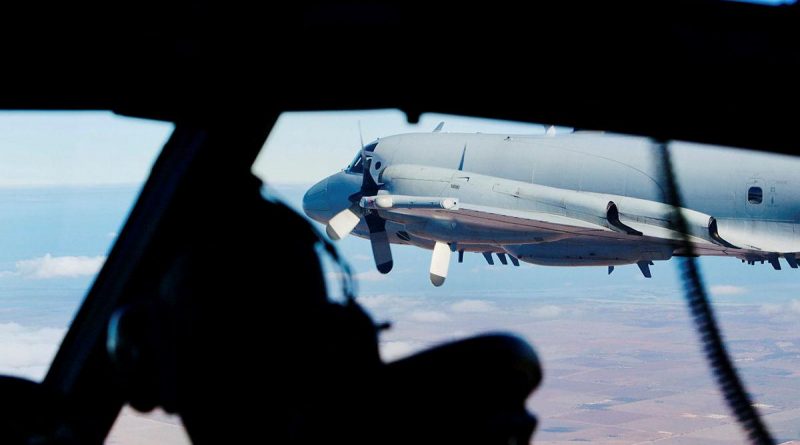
(393, 350)
(372, 275)
(480, 306)
(721, 290)
(770, 309)
(375, 301)
(388, 302)
(48, 266)
(547, 311)
(27, 351)
(794, 306)
(429, 316)
(791, 308)
(335, 277)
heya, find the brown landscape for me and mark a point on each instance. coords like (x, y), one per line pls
(619, 369)
(627, 369)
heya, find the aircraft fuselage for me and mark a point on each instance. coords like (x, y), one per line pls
(547, 199)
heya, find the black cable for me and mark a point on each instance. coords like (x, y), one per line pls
(725, 374)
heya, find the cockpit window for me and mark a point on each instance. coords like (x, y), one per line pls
(67, 180)
(357, 166)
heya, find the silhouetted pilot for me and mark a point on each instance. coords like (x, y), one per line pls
(241, 340)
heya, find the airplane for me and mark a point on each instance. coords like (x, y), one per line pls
(571, 199)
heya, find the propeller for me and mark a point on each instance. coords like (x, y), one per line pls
(344, 222)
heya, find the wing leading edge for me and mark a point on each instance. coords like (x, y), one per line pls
(632, 220)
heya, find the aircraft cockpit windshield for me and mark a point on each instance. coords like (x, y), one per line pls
(453, 240)
(356, 165)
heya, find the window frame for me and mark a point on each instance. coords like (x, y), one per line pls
(755, 195)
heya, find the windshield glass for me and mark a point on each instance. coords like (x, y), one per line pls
(620, 355)
(67, 182)
(356, 166)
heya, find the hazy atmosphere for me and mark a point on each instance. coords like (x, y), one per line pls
(621, 361)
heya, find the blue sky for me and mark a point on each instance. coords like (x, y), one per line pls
(67, 181)
(76, 148)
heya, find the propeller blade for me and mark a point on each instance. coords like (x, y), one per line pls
(367, 186)
(360, 137)
(440, 262)
(343, 222)
(379, 239)
(381, 250)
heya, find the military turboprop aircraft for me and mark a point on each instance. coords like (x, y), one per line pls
(577, 199)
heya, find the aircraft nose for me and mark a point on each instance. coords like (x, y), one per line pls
(316, 198)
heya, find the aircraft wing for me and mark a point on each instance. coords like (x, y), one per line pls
(492, 219)
(526, 220)
(495, 219)
(633, 220)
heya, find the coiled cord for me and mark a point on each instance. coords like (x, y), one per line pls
(725, 373)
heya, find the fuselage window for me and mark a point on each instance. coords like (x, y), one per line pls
(755, 195)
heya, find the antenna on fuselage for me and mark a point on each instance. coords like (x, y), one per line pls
(361, 140)
(438, 127)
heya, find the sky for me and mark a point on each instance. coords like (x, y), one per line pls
(68, 180)
(76, 148)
